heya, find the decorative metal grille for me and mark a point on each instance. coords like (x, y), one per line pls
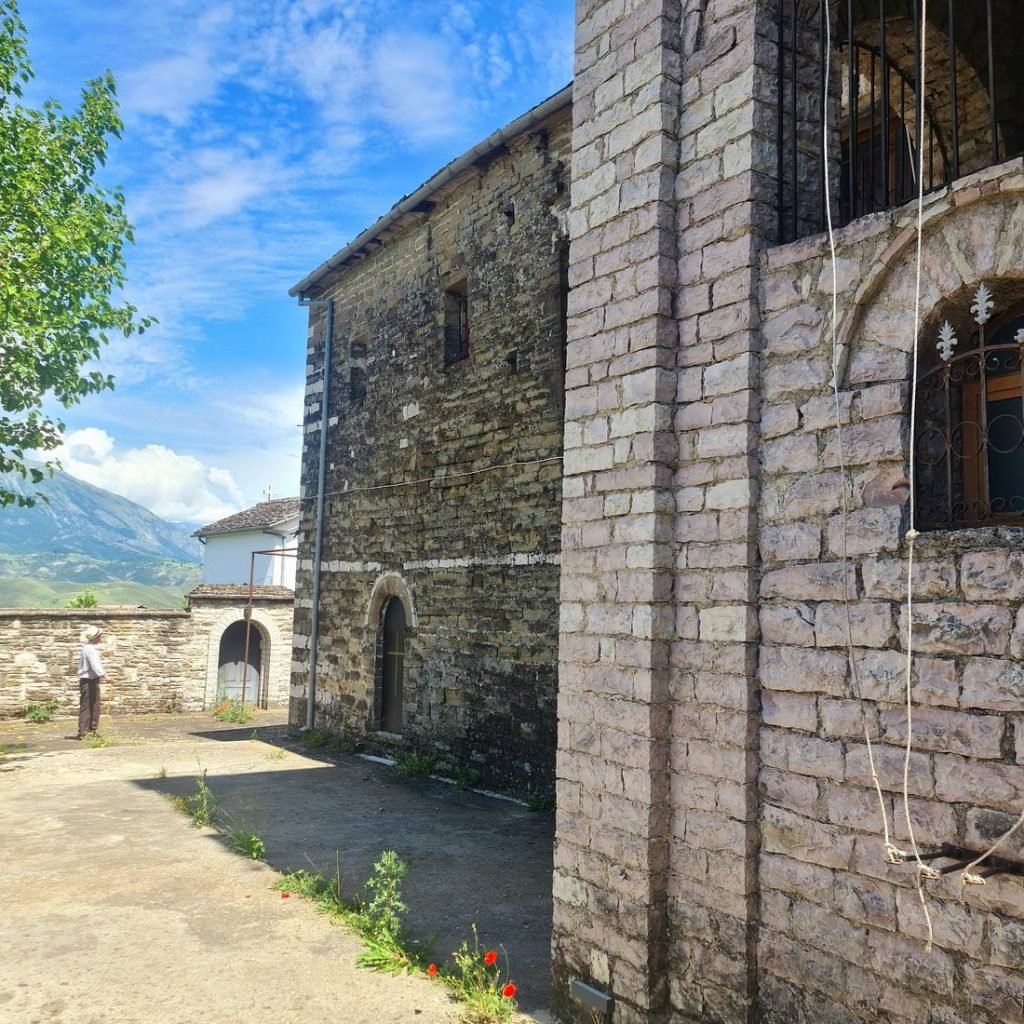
(969, 439)
(973, 102)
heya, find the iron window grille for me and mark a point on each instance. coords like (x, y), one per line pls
(456, 324)
(972, 102)
(968, 447)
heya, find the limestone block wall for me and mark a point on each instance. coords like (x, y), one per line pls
(158, 660)
(149, 656)
(842, 931)
(444, 479)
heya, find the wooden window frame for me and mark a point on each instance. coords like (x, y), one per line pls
(975, 465)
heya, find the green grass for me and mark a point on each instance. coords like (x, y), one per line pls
(540, 802)
(232, 709)
(416, 765)
(41, 712)
(95, 740)
(23, 592)
(201, 806)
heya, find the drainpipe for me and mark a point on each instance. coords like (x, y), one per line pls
(314, 633)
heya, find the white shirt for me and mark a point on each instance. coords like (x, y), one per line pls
(90, 664)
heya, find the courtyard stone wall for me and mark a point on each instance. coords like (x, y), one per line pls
(158, 660)
(444, 475)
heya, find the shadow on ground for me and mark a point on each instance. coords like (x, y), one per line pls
(473, 859)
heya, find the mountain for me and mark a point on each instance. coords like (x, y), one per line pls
(86, 536)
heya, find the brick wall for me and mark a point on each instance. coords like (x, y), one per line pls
(470, 536)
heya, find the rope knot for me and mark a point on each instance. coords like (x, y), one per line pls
(894, 855)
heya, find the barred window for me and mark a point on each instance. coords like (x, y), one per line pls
(969, 436)
(357, 370)
(456, 323)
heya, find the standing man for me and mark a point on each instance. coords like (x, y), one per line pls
(90, 675)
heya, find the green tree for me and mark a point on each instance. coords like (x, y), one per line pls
(62, 265)
(85, 599)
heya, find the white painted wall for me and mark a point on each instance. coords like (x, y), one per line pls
(226, 557)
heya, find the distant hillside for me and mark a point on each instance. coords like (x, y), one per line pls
(86, 536)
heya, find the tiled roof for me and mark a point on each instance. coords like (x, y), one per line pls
(266, 513)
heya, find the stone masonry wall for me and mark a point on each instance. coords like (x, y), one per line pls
(843, 932)
(158, 660)
(149, 656)
(612, 843)
(443, 481)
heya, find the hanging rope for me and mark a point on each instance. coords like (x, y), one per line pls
(892, 854)
(923, 870)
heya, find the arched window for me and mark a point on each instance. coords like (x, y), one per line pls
(969, 436)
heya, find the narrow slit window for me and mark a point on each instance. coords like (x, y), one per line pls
(357, 371)
(456, 324)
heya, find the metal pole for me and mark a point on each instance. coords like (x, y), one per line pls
(314, 630)
(248, 626)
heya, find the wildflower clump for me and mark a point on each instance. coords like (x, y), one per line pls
(481, 981)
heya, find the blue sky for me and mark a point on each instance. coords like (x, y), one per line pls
(260, 137)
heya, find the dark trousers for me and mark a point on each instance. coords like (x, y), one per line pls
(88, 705)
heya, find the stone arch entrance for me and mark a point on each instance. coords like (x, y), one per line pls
(239, 665)
(265, 635)
(390, 621)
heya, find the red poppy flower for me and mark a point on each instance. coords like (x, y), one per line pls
(509, 990)
(490, 957)
(285, 895)
(432, 970)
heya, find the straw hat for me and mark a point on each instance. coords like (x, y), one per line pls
(92, 633)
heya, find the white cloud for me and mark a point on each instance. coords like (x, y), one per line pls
(176, 487)
(416, 87)
(172, 86)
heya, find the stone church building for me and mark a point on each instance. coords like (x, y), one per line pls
(786, 523)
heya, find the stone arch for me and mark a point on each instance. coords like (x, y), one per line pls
(967, 237)
(387, 585)
(270, 638)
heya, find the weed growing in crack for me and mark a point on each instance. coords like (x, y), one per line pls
(248, 843)
(201, 806)
(479, 980)
(95, 740)
(416, 765)
(477, 977)
(232, 709)
(41, 712)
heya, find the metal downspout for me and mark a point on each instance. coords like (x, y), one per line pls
(314, 633)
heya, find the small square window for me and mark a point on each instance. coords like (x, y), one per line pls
(456, 323)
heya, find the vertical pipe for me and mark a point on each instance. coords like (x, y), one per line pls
(954, 141)
(248, 627)
(993, 123)
(314, 631)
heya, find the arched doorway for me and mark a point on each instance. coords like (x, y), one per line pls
(231, 666)
(392, 661)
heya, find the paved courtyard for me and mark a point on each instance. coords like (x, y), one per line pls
(117, 910)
